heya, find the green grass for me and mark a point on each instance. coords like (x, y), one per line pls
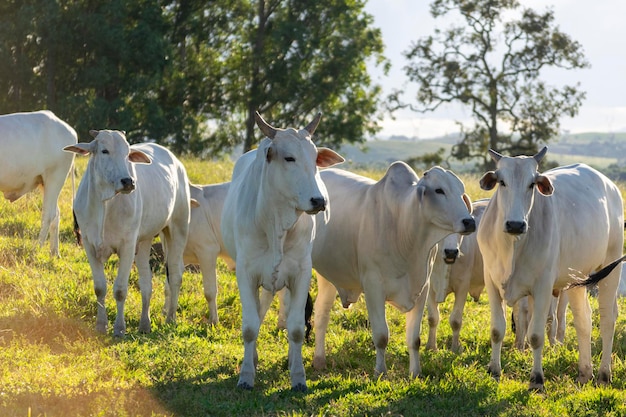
(54, 364)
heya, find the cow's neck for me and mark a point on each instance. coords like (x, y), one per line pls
(97, 209)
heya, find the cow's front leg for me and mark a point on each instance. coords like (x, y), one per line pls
(142, 261)
(413, 329)
(120, 288)
(99, 286)
(498, 327)
(456, 319)
(296, 328)
(375, 302)
(433, 322)
(250, 324)
(536, 335)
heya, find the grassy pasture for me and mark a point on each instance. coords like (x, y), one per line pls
(54, 364)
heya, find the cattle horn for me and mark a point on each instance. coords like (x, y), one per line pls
(267, 130)
(313, 125)
(495, 155)
(539, 155)
(94, 133)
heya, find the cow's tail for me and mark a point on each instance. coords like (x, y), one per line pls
(308, 312)
(597, 276)
(79, 237)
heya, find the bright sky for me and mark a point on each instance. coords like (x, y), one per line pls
(599, 26)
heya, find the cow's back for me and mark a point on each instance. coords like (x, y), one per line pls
(163, 189)
(340, 237)
(590, 218)
(32, 144)
(204, 224)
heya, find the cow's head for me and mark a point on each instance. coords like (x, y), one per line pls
(443, 195)
(111, 161)
(518, 179)
(291, 164)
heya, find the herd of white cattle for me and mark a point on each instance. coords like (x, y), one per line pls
(537, 244)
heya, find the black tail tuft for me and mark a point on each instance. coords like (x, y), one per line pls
(597, 276)
(79, 237)
(308, 312)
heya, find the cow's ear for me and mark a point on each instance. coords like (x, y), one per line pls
(488, 181)
(139, 157)
(269, 154)
(327, 158)
(544, 185)
(80, 148)
(468, 202)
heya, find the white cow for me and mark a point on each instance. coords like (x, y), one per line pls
(458, 269)
(204, 243)
(378, 241)
(537, 230)
(267, 227)
(127, 196)
(32, 157)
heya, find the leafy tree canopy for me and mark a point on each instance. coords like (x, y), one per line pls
(492, 64)
(190, 73)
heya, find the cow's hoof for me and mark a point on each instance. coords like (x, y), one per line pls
(604, 378)
(536, 383)
(494, 374)
(244, 386)
(299, 388)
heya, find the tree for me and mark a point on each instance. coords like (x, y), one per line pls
(304, 57)
(492, 65)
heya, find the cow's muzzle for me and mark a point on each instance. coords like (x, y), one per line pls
(128, 185)
(469, 226)
(450, 255)
(515, 227)
(317, 204)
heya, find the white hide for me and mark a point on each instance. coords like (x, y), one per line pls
(127, 196)
(540, 230)
(32, 156)
(204, 243)
(458, 269)
(267, 230)
(378, 241)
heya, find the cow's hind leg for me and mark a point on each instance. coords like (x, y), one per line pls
(50, 217)
(326, 294)
(142, 261)
(208, 263)
(581, 313)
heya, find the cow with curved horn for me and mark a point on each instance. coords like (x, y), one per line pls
(536, 231)
(267, 228)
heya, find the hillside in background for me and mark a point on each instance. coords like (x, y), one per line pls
(599, 150)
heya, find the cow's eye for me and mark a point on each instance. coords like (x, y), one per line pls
(290, 159)
(105, 151)
(440, 191)
(502, 183)
(532, 185)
